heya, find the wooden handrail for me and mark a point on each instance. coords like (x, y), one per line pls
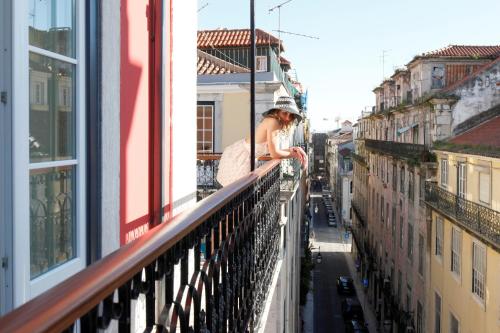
(56, 309)
(215, 157)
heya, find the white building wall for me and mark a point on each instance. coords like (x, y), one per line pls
(477, 95)
(283, 314)
(110, 108)
(184, 103)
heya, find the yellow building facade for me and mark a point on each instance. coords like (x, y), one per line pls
(464, 293)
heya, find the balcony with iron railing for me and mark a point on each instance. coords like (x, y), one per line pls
(410, 151)
(209, 269)
(479, 220)
(359, 213)
(208, 166)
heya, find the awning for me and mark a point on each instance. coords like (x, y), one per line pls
(404, 129)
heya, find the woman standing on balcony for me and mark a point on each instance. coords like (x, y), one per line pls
(235, 160)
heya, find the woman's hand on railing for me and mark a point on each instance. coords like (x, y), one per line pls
(300, 154)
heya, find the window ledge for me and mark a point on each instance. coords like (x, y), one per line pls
(456, 277)
(481, 302)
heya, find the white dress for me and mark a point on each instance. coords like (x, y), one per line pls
(235, 161)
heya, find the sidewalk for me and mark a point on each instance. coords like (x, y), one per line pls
(370, 318)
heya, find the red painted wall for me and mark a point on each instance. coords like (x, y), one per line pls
(140, 119)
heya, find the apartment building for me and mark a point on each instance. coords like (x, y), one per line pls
(425, 102)
(464, 206)
(338, 148)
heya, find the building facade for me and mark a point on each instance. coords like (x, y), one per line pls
(339, 147)
(419, 105)
(465, 237)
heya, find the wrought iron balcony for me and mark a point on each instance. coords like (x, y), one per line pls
(398, 149)
(208, 165)
(207, 270)
(361, 217)
(290, 175)
(480, 220)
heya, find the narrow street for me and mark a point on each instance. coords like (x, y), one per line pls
(334, 248)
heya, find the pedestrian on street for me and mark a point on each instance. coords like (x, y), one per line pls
(235, 160)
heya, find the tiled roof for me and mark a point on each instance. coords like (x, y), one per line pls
(209, 64)
(465, 51)
(234, 38)
(485, 134)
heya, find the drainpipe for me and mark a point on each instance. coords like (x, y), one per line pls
(252, 85)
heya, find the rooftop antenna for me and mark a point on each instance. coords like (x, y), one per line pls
(279, 23)
(202, 7)
(384, 53)
(296, 34)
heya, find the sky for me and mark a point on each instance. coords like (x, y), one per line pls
(341, 69)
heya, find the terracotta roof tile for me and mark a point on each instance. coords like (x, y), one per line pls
(485, 134)
(234, 38)
(465, 51)
(210, 65)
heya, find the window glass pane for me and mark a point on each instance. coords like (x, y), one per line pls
(52, 25)
(52, 109)
(52, 218)
(208, 123)
(484, 187)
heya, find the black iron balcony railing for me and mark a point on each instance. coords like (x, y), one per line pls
(208, 165)
(361, 217)
(480, 220)
(290, 169)
(207, 270)
(399, 149)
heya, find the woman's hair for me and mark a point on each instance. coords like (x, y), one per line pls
(273, 113)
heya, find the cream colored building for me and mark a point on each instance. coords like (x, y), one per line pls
(464, 288)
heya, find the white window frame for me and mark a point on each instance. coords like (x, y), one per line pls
(456, 251)
(439, 238)
(478, 277)
(481, 199)
(261, 63)
(203, 130)
(444, 172)
(25, 289)
(452, 316)
(462, 180)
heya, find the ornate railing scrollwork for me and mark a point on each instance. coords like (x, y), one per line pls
(399, 149)
(208, 270)
(481, 220)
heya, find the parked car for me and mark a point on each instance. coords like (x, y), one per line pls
(351, 309)
(356, 326)
(345, 285)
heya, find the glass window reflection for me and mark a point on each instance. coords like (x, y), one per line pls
(52, 109)
(52, 218)
(51, 25)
